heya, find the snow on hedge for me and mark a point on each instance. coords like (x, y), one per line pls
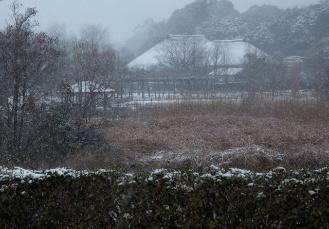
(213, 172)
(20, 173)
(185, 180)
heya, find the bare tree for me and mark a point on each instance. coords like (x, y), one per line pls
(254, 74)
(185, 54)
(318, 66)
(95, 35)
(219, 57)
(219, 62)
(25, 57)
(274, 73)
(262, 73)
(96, 66)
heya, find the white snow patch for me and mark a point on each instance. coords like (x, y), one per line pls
(20, 173)
(312, 193)
(88, 87)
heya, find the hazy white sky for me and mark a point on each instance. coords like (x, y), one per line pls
(119, 16)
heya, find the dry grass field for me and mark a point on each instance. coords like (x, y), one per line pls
(262, 135)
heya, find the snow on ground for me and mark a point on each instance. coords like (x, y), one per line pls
(252, 153)
(141, 99)
(88, 87)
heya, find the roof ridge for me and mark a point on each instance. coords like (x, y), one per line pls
(229, 41)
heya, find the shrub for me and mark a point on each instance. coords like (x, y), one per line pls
(55, 134)
(166, 199)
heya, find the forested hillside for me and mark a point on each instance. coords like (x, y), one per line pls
(279, 32)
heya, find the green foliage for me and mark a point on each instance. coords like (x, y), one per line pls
(58, 131)
(107, 200)
(55, 133)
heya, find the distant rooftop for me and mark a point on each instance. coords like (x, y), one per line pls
(235, 51)
(181, 36)
(293, 60)
(229, 41)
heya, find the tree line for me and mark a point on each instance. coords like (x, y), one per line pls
(35, 67)
(190, 56)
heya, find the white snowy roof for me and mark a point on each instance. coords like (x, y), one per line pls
(235, 50)
(150, 58)
(89, 86)
(294, 59)
(194, 36)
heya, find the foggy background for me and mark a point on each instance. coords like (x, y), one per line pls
(120, 17)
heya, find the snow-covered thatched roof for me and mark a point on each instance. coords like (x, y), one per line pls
(150, 58)
(291, 60)
(235, 51)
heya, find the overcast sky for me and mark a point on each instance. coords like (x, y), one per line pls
(119, 16)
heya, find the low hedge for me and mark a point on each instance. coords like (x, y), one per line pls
(168, 199)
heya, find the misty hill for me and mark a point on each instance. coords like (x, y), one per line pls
(280, 32)
(294, 31)
(187, 20)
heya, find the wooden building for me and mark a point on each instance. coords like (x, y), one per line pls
(87, 93)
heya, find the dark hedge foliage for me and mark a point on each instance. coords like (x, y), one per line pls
(285, 200)
(55, 134)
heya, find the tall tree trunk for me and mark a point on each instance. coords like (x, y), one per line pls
(15, 114)
(22, 115)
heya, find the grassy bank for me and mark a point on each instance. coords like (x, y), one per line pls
(261, 135)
